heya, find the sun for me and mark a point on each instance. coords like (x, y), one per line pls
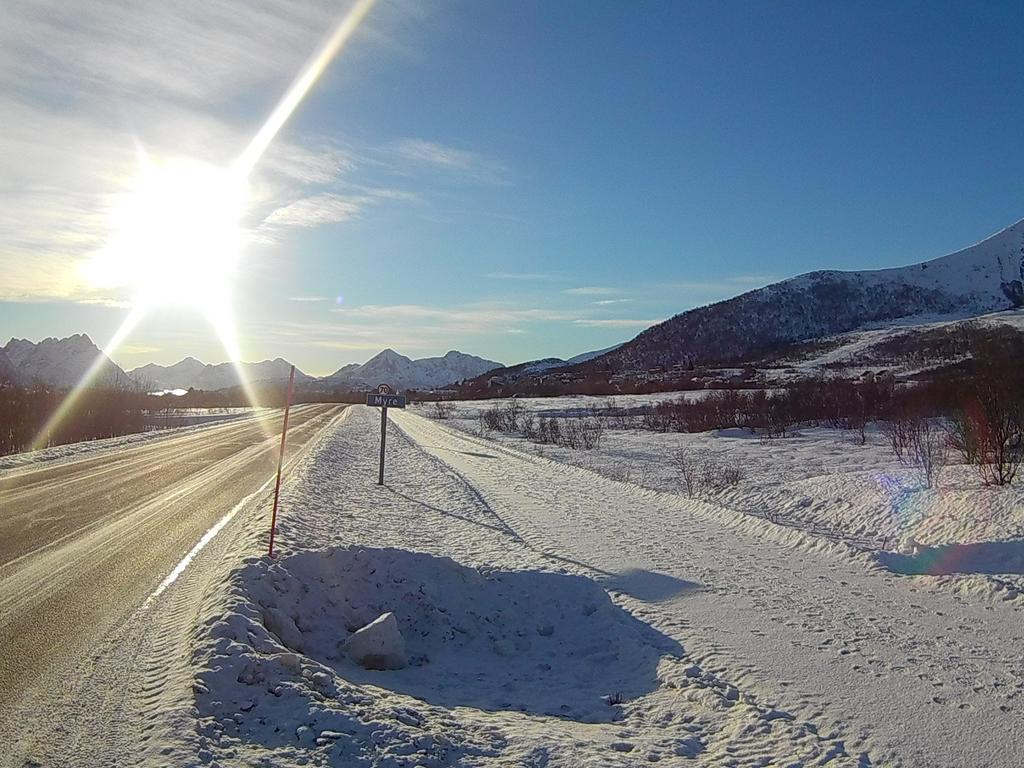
(176, 237)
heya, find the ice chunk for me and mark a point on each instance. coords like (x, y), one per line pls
(378, 645)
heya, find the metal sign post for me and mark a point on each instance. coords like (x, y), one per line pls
(383, 439)
(384, 398)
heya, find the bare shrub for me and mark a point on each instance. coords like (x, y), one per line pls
(442, 410)
(989, 438)
(709, 473)
(688, 466)
(988, 426)
(512, 415)
(719, 473)
(580, 434)
(491, 419)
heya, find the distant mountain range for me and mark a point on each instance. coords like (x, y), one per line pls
(190, 373)
(63, 362)
(982, 279)
(404, 373)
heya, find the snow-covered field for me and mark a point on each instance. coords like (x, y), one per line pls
(553, 616)
(820, 480)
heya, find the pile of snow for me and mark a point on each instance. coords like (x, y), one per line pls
(530, 641)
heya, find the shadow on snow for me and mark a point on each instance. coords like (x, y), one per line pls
(531, 641)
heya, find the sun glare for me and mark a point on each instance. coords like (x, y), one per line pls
(176, 234)
(177, 237)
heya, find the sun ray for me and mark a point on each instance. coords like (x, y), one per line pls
(300, 87)
(72, 397)
(223, 323)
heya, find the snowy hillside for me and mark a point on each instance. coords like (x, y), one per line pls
(404, 373)
(192, 373)
(901, 348)
(58, 362)
(986, 277)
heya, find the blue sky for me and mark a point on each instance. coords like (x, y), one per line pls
(511, 179)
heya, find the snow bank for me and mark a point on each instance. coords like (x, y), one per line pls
(515, 656)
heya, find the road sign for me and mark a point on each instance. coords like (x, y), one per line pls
(386, 401)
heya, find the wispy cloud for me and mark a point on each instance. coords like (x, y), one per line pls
(310, 299)
(474, 319)
(753, 280)
(590, 290)
(467, 164)
(609, 302)
(316, 210)
(617, 322)
(540, 277)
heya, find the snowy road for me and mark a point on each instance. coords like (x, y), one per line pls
(899, 674)
(83, 544)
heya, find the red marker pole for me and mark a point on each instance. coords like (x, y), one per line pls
(280, 458)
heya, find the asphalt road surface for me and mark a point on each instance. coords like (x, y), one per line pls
(83, 543)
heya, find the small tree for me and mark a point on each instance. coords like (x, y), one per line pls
(688, 467)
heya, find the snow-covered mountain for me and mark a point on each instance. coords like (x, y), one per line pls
(401, 372)
(192, 373)
(8, 374)
(986, 277)
(60, 362)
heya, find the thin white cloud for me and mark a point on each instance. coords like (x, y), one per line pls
(315, 211)
(540, 277)
(468, 319)
(752, 279)
(591, 290)
(425, 328)
(310, 299)
(466, 164)
(591, 322)
(609, 302)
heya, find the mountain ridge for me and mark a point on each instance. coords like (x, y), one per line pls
(987, 276)
(60, 362)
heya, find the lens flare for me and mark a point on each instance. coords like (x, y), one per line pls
(178, 233)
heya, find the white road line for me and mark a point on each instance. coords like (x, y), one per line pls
(213, 531)
(206, 538)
